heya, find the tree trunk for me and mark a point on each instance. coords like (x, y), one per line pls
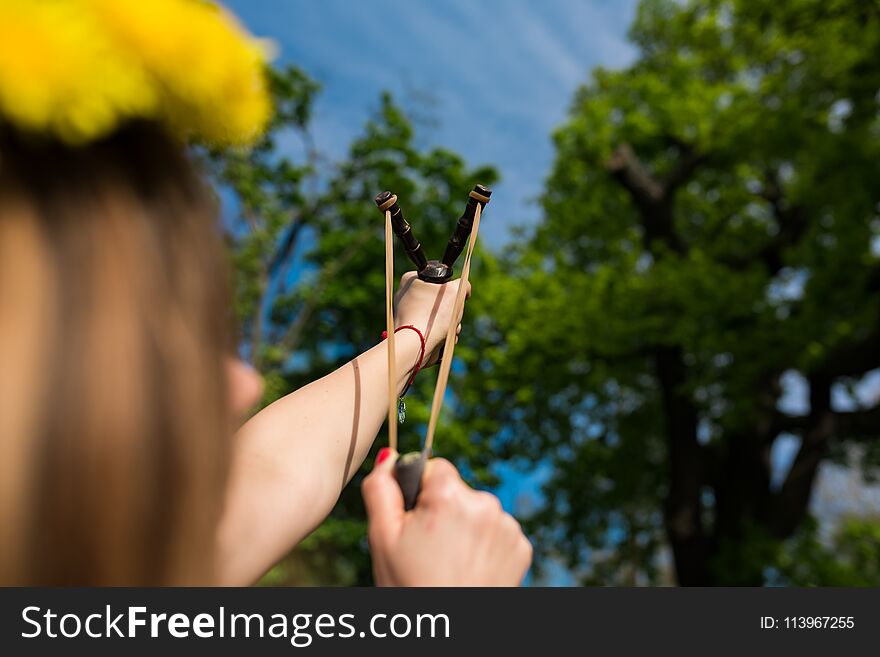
(742, 491)
(683, 508)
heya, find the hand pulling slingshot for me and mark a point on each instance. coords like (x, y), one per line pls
(409, 467)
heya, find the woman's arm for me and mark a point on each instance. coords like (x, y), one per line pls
(292, 459)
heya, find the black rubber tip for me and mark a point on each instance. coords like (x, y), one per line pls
(382, 197)
(482, 189)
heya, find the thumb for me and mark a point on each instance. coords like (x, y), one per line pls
(382, 497)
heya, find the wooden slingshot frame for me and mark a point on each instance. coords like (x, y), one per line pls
(409, 467)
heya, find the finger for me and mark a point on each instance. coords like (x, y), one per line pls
(467, 294)
(438, 471)
(382, 497)
(487, 505)
(441, 483)
(442, 487)
(458, 329)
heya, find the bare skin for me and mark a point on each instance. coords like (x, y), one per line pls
(292, 459)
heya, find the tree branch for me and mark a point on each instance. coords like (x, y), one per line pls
(789, 506)
(652, 198)
(625, 166)
(688, 162)
(864, 423)
(291, 339)
(845, 424)
(790, 218)
(283, 252)
(853, 358)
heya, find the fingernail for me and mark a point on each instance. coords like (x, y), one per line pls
(383, 454)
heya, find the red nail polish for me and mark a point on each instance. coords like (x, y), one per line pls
(383, 454)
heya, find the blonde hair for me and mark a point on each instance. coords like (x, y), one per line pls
(113, 339)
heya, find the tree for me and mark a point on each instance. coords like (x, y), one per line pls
(307, 245)
(710, 224)
(852, 559)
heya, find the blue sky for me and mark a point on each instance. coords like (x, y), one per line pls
(489, 79)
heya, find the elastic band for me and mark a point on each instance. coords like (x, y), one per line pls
(449, 346)
(389, 327)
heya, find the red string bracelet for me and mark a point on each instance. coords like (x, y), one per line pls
(421, 351)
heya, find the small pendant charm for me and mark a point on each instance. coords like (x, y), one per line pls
(401, 410)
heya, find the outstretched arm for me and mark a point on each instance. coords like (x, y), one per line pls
(292, 459)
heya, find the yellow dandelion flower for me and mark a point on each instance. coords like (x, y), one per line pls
(79, 68)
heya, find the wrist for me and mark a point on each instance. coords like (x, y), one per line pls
(407, 349)
(433, 339)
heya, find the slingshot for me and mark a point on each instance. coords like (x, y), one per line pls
(409, 467)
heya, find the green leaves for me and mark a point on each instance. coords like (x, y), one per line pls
(850, 558)
(715, 199)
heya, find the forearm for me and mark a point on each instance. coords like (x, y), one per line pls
(292, 459)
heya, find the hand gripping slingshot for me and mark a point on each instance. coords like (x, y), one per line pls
(409, 467)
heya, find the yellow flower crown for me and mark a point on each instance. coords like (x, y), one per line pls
(78, 69)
